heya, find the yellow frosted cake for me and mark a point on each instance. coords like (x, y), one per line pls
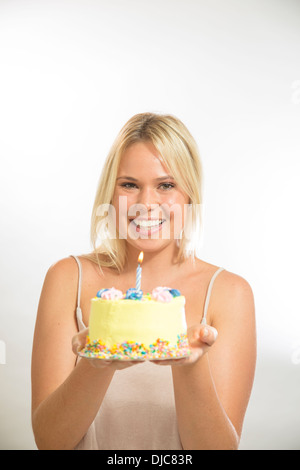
(134, 326)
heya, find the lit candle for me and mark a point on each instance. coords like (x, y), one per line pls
(139, 271)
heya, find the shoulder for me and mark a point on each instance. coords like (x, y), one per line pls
(64, 266)
(63, 271)
(62, 277)
(67, 269)
(231, 299)
(232, 284)
(60, 284)
(225, 281)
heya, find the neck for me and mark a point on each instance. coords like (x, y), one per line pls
(153, 261)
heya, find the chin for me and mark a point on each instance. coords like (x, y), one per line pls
(150, 245)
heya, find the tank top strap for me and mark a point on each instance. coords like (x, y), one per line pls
(79, 319)
(210, 286)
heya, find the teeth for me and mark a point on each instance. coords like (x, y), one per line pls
(148, 223)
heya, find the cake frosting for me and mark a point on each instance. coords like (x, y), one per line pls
(136, 326)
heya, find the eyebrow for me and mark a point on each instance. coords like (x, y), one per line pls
(161, 178)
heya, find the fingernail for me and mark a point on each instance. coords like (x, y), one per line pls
(215, 333)
(205, 332)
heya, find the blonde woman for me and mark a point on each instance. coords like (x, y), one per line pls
(194, 403)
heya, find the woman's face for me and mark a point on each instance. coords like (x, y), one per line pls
(149, 204)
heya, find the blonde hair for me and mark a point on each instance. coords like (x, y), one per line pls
(178, 151)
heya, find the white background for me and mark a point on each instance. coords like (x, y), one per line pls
(71, 74)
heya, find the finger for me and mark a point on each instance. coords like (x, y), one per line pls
(99, 364)
(169, 362)
(194, 332)
(208, 335)
(79, 341)
(119, 365)
(161, 363)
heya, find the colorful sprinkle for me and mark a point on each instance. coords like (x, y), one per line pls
(130, 350)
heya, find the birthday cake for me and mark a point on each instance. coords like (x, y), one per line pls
(134, 326)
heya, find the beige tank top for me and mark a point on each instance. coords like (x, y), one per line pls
(138, 410)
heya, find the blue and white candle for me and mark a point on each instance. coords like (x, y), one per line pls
(139, 271)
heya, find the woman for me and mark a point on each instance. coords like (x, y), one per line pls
(194, 403)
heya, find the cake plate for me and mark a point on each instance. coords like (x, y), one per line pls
(131, 359)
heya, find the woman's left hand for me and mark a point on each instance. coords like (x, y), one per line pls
(201, 338)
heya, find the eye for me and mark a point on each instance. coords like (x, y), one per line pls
(128, 185)
(167, 186)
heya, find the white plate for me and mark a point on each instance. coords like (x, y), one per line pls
(137, 359)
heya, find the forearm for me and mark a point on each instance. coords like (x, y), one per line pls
(63, 418)
(202, 421)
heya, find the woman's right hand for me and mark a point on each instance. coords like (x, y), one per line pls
(78, 343)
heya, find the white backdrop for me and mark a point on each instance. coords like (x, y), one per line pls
(71, 74)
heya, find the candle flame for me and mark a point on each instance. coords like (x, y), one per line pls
(141, 257)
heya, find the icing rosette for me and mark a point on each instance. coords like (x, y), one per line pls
(162, 294)
(134, 294)
(100, 292)
(112, 294)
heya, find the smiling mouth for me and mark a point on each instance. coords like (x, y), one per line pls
(147, 224)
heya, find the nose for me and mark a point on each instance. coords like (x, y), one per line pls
(148, 197)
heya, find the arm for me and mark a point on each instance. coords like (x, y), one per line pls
(65, 398)
(212, 394)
